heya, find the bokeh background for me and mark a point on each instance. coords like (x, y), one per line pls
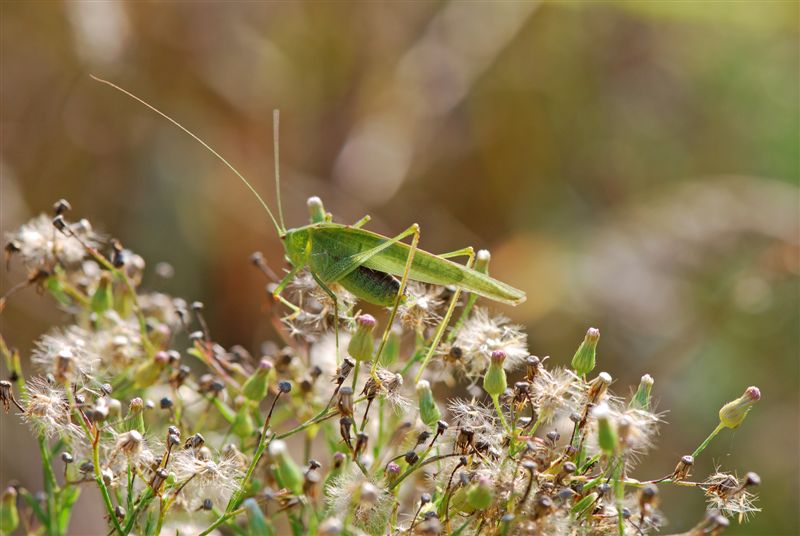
(631, 165)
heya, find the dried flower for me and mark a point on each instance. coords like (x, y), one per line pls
(41, 245)
(66, 354)
(481, 335)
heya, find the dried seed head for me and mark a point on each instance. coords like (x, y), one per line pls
(129, 444)
(542, 506)
(345, 401)
(683, 468)
(599, 387)
(752, 479)
(61, 206)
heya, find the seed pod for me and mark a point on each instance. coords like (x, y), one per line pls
(682, 469)
(345, 402)
(583, 361)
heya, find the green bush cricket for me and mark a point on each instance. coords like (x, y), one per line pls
(363, 262)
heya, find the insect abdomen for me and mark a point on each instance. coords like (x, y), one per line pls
(372, 286)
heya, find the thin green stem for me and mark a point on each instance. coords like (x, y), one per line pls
(220, 520)
(50, 486)
(705, 443)
(496, 402)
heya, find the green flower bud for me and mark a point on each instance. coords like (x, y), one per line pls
(148, 372)
(256, 521)
(103, 297)
(606, 431)
(257, 386)
(9, 518)
(495, 382)
(641, 400)
(480, 494)
(135, 416)
(362, 344)
(733, 413)
(391, 352)
(243, 425)
(428, 410)
(584, 359)
(287, 473)
(459, 502)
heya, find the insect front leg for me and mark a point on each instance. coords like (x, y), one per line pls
(277, 294)
(414, 231)
(332, 295)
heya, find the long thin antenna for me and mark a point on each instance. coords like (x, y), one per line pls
(276, 127)
(281, 230)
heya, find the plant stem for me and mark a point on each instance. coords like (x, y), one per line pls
(50, 486)
(705, 443)
(220, 520)
(496, 402)
(98, 476)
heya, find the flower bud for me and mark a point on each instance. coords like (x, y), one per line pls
(256, 521)
(606, 432)
(428, 410)
(287, 473)
(733, 413)
(641, 400)
(9, 517)
(103, 297)
(495, 382)
(584, 359)
(148, 372)
(257, 386)
(480, 494)
(243, 425)
(362, 344)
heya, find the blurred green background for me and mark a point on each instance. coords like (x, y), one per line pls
(631, 165)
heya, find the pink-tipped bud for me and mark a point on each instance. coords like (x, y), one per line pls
(733, 413)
